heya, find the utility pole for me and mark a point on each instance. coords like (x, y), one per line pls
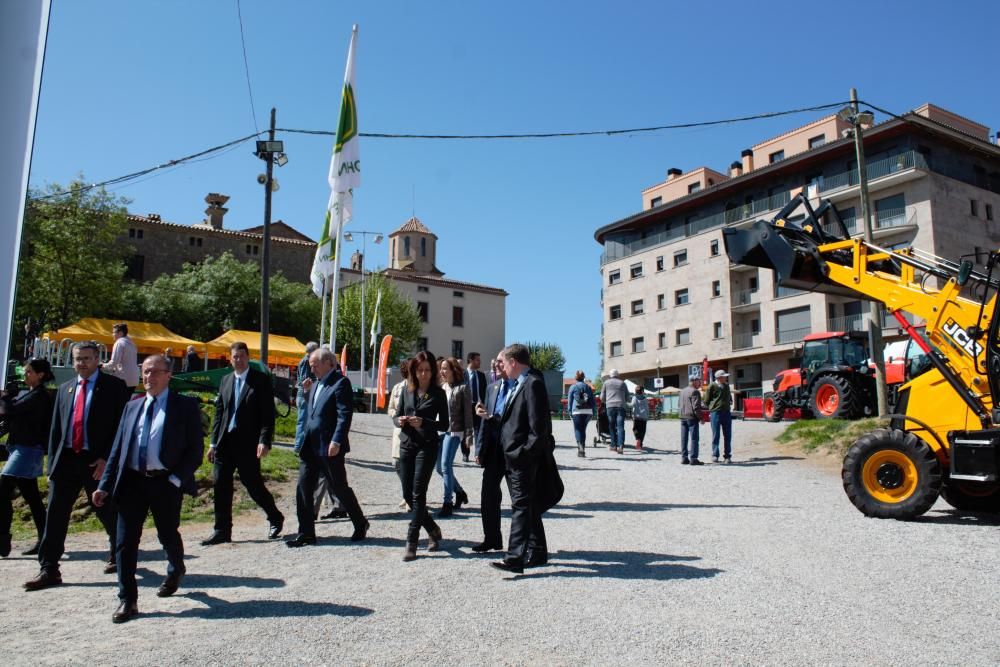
(265, 260)
(874, 325)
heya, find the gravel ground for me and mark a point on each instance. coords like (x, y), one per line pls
(760, 562)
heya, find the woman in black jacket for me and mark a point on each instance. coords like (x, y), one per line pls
(28, 418)
(421, 414)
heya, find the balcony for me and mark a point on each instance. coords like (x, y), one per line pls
(876, 170)
(883, 220)
(745, 297)
(857, 322)
(782, 336)
(745, 341)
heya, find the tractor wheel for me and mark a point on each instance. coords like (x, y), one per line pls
(972, 496)
(891, 474)
(773, 407)
(833, 397)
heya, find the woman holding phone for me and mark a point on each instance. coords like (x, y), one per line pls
(421, 414)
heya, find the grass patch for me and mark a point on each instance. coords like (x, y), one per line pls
(832, 435)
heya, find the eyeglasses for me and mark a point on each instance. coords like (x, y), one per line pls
(154, 371)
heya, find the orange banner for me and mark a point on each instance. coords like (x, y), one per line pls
(383, 360)
(343, 359)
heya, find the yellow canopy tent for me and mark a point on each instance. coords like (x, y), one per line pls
(281, 350)
(149, 337)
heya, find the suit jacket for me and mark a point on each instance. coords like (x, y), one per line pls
(329, 418)
(482, 386)
(106, 404)
(182, 443)
(255, 416)
(525, 424)
(488, 443)
(460, 411)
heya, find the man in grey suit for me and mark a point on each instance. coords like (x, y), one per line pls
(331, 407)
(156, 452)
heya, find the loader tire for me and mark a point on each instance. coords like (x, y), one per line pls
(972, 496)
(773, 407)
(891, 474)
(833, 397)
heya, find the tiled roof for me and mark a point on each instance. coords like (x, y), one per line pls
(438, 281)
(413, 225)
(208, 229)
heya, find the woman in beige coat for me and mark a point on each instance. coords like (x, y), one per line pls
(404, 367)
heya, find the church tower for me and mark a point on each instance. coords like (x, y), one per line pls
(413, 248)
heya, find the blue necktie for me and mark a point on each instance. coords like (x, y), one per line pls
(236, 402)
(147, 426)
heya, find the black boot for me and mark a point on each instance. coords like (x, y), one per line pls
(445, 511)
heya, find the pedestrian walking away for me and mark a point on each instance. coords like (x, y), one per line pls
(690, 409)
(640, 415)
(241, 436)
(581, 406)
(719, 399)
(158, 447)
(614, 396)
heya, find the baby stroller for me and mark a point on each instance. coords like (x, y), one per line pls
(603, 436)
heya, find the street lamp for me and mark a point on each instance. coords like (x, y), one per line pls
(269, 151)
(349, 237)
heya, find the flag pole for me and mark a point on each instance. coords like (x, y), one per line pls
(322, 318)
(336, 282)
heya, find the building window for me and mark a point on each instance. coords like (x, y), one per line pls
(713, 248)
(659, 263)
(717, 330)
(406, 246)
(134, 233)
(638, 344)
(753, 283)
(457, 316)
(817, 141)
(253, 249)
(456, 349)
(891, 211)
(458, 295)
(422, 288)
(989, 211)
(974, 207)
(661, 340)
(683, 336)
(194, 241)
(635, 271)
(655, 201)
(616, 348)
(421, 345)
(615, 313)
(422, 311)
(661, 301)
(680, 258)
(423, 246)
(134, 266)
(694, 187)
(681, 297)
(776, 156)
(638, 307)
(755, 326)
(716, 288)
(615, 277)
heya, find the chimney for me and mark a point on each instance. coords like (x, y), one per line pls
(673, 173)
(155, 217)
(215, 210)
(747, 156)
(735, 169)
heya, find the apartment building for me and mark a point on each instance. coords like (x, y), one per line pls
(671, 297)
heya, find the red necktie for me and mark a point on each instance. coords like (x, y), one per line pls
(78, 412)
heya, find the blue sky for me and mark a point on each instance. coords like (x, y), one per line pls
(128, 85)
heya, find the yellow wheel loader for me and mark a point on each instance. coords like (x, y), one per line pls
(944, 437)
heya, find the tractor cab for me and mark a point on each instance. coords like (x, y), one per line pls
(833, 349)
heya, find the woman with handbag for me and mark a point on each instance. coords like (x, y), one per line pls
(28, 417)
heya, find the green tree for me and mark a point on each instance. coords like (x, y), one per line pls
(399, 318)
(71, 263)
(546, 356)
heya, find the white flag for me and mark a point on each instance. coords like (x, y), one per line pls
(376, 325)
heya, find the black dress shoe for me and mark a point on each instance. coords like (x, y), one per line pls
(301, 541)
(33, 551)
(483, 547)
(537, 559)
(461, 498)
(44, 579)
(218, 537)
(335, 514)
(170, 585)
(508, 566)
(361, 532)
(125, 612)
(274, 532)
(4, 545)
(111, 566)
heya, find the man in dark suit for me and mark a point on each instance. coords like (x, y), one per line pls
(526, 435)
(489, 454)
(84, 422)
(241, 436)
(157, 450)
(328, 424)
(476, 380)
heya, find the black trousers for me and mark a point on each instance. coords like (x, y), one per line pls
(494, 470)
(72, 474)
(228, 462)
(311, 467)
(526, 531)
(416, 465)
(639, 429)
(139, 496)
(29, 491)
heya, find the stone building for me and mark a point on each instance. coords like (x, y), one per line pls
(671, 297)
(164, 247)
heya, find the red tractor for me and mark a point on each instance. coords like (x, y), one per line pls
(833, 380)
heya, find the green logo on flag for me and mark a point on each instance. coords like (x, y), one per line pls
(348, 119)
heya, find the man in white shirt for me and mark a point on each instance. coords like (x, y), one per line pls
(124, 363)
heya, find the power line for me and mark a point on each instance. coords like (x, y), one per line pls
(246, 66)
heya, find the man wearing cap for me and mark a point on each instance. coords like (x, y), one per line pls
(690, 414)
(719, 400)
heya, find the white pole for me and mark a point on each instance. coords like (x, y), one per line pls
(322, 318)
(336, 285)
